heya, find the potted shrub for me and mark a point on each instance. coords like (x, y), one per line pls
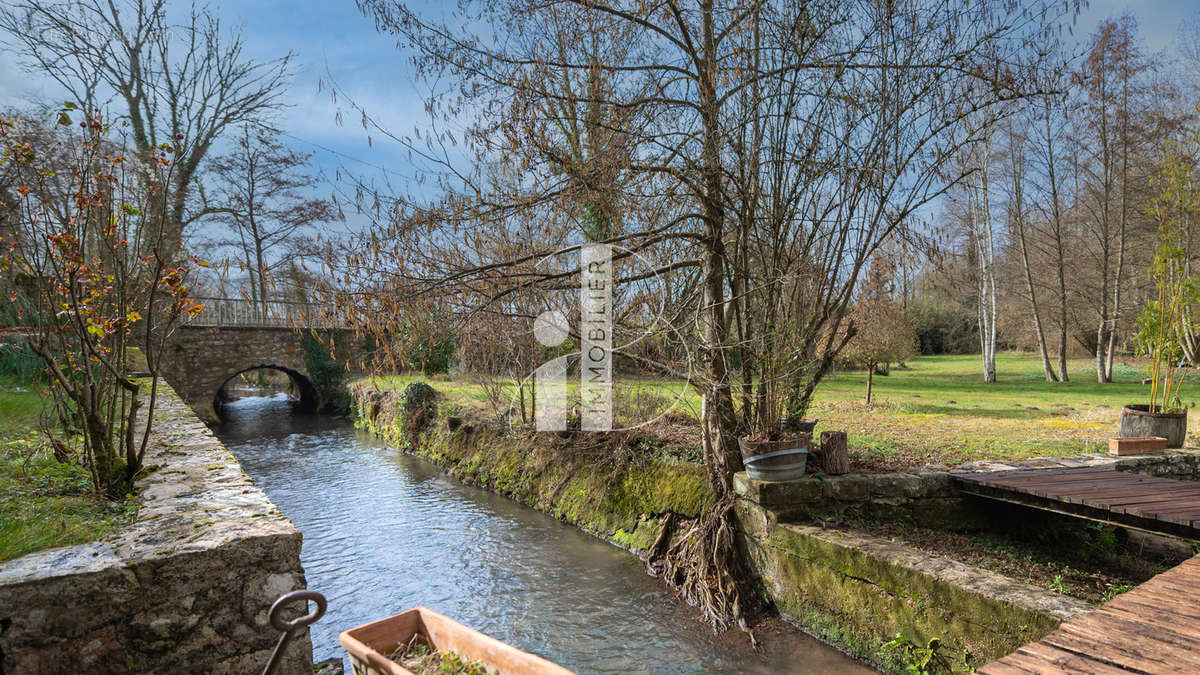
(1164, 320)
(772, 449)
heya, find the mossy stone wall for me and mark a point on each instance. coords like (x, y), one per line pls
(860, 591)
(622, 502)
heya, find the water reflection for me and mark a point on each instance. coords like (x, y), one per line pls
(384, 531)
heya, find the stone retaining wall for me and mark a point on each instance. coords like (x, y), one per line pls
(861, 591)
(924, 497)
(620, 502)
(929, 497)
(185, 588)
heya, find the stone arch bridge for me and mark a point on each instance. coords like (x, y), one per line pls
(233, 336)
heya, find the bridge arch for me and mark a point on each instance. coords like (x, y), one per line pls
(309, 400)
(232, 336)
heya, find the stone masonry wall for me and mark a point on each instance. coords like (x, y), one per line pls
(927, 497)
(861, 591)
(924, 497)
(183, 589)
(199, 359)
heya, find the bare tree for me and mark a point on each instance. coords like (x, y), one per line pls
(883, 333)
(262, 192)
(1018, 218)
(975, 161)
(852, 111)
(1050, 129)
(1110, 80)
(177, 86)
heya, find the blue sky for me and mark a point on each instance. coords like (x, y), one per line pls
(331, 39)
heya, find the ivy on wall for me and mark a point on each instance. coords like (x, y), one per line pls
(328, 375)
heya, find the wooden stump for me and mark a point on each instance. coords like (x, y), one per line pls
(834, 459)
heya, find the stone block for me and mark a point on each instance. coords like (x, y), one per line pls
(849, 487)
(872, 589)
(792, 494)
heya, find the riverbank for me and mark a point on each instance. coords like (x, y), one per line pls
(934, 411)
(894, 554)
(617, 489)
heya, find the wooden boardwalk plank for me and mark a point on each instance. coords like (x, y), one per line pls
(1152, 503)
(1044, 659)
(1154, 628)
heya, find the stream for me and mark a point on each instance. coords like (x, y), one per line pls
(385, 531)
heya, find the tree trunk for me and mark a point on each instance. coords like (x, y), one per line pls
(1060, 252)
(870, 379)
(1018, 215)
(721, 454)
(835, 460)
(1047, 369)
(981, 226)
(261, 262)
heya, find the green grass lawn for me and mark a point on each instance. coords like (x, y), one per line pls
(938, 410)
(43, 503)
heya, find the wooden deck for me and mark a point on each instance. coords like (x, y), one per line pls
(1152, 504)
(1154, 628)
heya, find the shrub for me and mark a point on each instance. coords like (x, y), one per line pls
(430, 355)
(328, 375)
(420, 407)
(88, 266)
(944, 328)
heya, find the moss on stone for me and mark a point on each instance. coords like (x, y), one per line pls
(622, 503)
(856, 594)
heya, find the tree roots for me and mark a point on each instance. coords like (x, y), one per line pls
(699, 557)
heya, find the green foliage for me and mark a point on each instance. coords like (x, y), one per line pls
(19, 361)
(422, 659)
(1057, 584)
(430, 353)
(944, 328)
(1167, 316)
(328, 375)
(420, 407)
(1114, 590)
(44, 503)
(932, 659)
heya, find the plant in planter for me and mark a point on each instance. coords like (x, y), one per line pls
(1165, 319)
(772, 448)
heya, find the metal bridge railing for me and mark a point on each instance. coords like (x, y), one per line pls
(275, 313)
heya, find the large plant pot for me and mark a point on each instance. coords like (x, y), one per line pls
(1138, 421)
(805, 426)
(370, 644)
(776, 460)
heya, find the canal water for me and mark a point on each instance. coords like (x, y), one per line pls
(385, 531)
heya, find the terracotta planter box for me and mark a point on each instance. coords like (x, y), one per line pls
(370, 644)
(1141, 445)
